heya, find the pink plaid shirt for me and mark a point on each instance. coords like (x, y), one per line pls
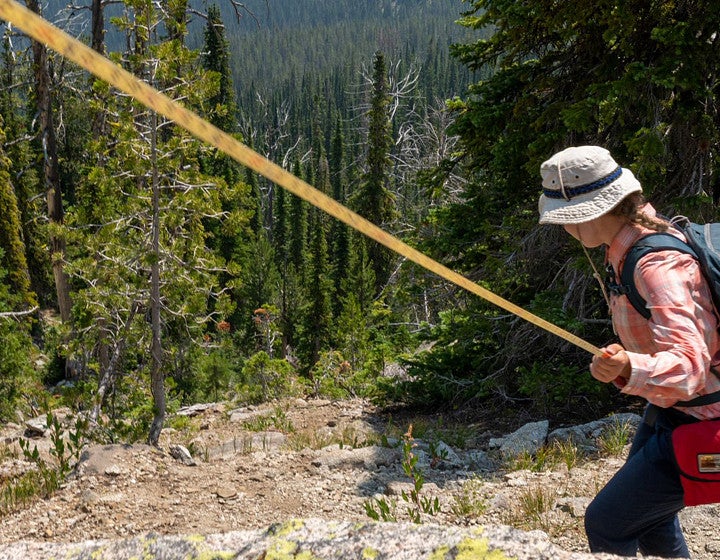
(672, 352)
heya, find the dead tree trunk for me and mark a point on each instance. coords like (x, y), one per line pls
(157, 381)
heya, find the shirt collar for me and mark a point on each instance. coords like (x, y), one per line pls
(626, 238)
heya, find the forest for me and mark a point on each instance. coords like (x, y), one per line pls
(143, 269)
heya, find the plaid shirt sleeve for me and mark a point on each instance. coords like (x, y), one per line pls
(672, 352)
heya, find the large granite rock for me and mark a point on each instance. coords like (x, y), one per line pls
(314, 539)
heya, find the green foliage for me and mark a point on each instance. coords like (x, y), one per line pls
(329, 375)
(548, 457)
(451, 370)
(264, 378)
(555, 386)
(48, 475)
(418, 505)
(12, 258)
(614, 438)
(215, 372)
(470, 502)
(18, 379)
(651, 66)
(353, 333)
(277, 420)
(373, 200)
(536, 503)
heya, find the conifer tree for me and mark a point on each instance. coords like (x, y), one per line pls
(221, 107)
(360, 279)
(318, 314)
(373, 199)
(298, 220)
(47, 138)
(280, 227)
(216, 58)
(154, 203)
(339, 233)
(25, 184)
(13, 249)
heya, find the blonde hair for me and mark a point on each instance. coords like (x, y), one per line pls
(631, 208)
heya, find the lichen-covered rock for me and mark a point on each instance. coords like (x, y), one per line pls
(314, 539)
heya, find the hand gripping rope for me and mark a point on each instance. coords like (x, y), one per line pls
(56, 39)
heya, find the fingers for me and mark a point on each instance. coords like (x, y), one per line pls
(613, 363)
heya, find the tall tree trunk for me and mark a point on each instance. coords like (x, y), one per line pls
(157, 381)
(98, 27)
(99, 130)
(51, 170)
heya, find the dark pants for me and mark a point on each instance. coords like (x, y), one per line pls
(637, 510)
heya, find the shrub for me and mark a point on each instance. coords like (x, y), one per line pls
(264, 378)
(17, 376)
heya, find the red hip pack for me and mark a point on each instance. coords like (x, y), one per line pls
(697, 454)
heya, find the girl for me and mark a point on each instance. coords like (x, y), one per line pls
(665, 359)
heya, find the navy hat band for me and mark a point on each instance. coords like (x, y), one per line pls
(582, 189)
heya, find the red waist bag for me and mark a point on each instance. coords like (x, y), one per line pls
(697, 453)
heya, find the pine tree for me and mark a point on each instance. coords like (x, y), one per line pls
(13, 249)
(43, 98)
(373, 199)
(221, 107)
(318, 315)
(154, 201)
(298, 227)
(339, 232)
(25, 183)
(216, 58)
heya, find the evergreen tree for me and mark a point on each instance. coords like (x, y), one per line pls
(155, 229)
(216, 58)
(318, 314)
(11, 243)
(360, 280)
(47, 140)
(339, 232)
(373, 199)
(298, 227)
(16, 370)
(221, 107)
(24, 186)
(280, 228)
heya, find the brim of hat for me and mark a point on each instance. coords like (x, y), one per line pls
(588, 206)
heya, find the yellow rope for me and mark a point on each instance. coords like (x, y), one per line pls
(43, 32)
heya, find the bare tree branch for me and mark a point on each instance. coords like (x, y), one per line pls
(13, 314)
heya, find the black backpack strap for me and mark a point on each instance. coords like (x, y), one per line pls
(702, 400)
(649, 244)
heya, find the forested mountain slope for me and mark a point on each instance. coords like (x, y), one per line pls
(282, 41)
(255, 291)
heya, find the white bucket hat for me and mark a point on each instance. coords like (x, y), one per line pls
(581, 184)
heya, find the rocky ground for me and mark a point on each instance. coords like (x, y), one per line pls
(250, 467)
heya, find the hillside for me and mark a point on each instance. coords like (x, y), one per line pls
(284, 40)
(317, 459)
(274, 41)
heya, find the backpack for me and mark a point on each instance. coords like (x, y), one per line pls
(703, 244)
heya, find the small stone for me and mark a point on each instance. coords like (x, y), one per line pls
(226, 492)
(182, 454)
(113, 470)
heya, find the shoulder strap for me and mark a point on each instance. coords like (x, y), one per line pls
(702, 400)
(648, 244)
